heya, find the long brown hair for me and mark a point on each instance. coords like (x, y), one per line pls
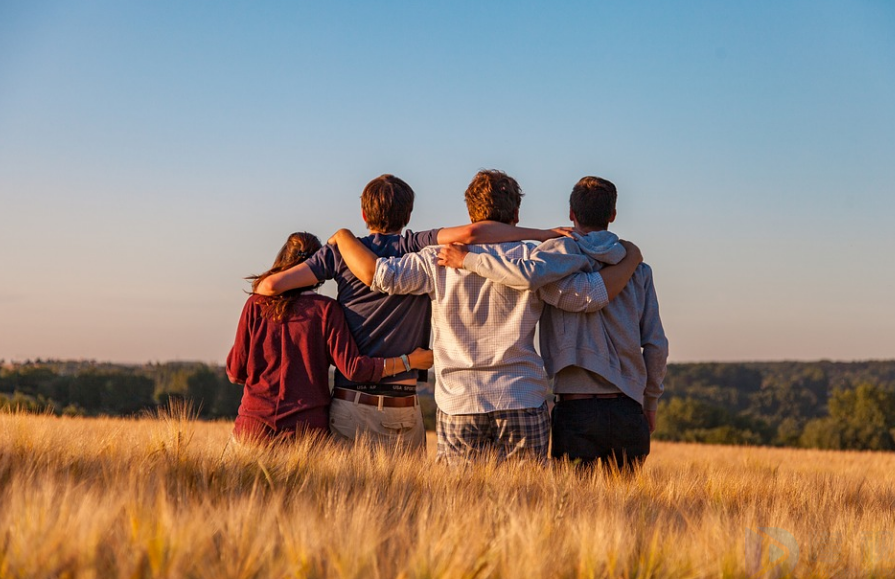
(298, 247)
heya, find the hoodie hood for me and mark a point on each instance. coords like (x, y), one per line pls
(602, 246)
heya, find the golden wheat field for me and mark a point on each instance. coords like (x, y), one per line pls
(168, 496)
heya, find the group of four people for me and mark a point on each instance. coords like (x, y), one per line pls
(601, 339)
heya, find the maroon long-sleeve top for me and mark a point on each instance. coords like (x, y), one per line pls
(285, 365)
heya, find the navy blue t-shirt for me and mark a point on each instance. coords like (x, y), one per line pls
(382, 325)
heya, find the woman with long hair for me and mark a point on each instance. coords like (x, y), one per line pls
(283, 350)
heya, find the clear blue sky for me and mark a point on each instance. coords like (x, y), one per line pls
(152, 154)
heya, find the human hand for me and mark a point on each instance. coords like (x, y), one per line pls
(632, 250)
(562, 232)
(421, 359)
(452, 255)
(650, 419)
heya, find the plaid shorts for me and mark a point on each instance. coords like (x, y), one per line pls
(522, 433)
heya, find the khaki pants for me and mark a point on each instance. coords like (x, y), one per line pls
(392, 427)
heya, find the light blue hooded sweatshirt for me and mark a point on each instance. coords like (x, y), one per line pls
(623, 342)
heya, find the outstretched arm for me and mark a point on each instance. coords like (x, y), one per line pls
(549, 262)
(359, 259)
(578, 292)
(292, 278)
(497, 232)
(589, 291)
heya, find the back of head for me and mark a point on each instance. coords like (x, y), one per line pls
(387, 203)
(493, 195)
(298, 248)
(593, 202)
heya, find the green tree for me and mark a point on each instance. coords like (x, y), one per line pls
(212, 393)
(202, 389)
(691, 420)
(788, 398)
(862, 418)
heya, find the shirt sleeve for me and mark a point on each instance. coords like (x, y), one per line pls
(343, 350)
(412, 242)
(323, 263)
(237, 359)
(654, 344)
(579, 292)
(409, 274)
(550, 261)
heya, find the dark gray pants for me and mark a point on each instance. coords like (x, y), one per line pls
(611, 430)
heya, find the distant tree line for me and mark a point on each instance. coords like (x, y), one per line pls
(93, 389)
(834, 405)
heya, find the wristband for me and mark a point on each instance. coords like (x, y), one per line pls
(406, 361)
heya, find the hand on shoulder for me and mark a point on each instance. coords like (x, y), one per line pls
(452, 255)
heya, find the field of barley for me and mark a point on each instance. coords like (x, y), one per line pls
(168, 496)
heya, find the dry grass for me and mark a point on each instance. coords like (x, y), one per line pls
(168, 497)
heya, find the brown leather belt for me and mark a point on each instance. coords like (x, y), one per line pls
(375, 399)
(569, 397)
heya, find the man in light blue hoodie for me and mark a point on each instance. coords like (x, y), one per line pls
(608, 365)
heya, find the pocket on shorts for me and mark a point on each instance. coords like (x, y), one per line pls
(399, 426)
(401, 421)
(341, 421)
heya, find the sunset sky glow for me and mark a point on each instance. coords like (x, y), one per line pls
(152, 154)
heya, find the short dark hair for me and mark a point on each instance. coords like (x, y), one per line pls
(387, 203)
(593, 202)
(493, 195)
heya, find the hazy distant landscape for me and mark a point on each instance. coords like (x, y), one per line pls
(828, 405)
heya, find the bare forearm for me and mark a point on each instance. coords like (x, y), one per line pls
(293, 278)
(616, 277)
(359, 259)
(419, 359)
(495, 232)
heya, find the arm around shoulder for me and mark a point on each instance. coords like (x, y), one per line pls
(496, 232)
(545, 264)
(295, 277)
(358, 257)
(617, 276)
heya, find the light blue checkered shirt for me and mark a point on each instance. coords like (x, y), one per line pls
(485, 359)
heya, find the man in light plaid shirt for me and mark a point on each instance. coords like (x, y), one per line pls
(491, 386)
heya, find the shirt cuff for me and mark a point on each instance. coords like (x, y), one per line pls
(378, 284)
(650, 404)
(471, 261)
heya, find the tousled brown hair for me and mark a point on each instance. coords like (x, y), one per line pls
(298, 247)
(387, 202)
(493, 195)
(593, 202)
